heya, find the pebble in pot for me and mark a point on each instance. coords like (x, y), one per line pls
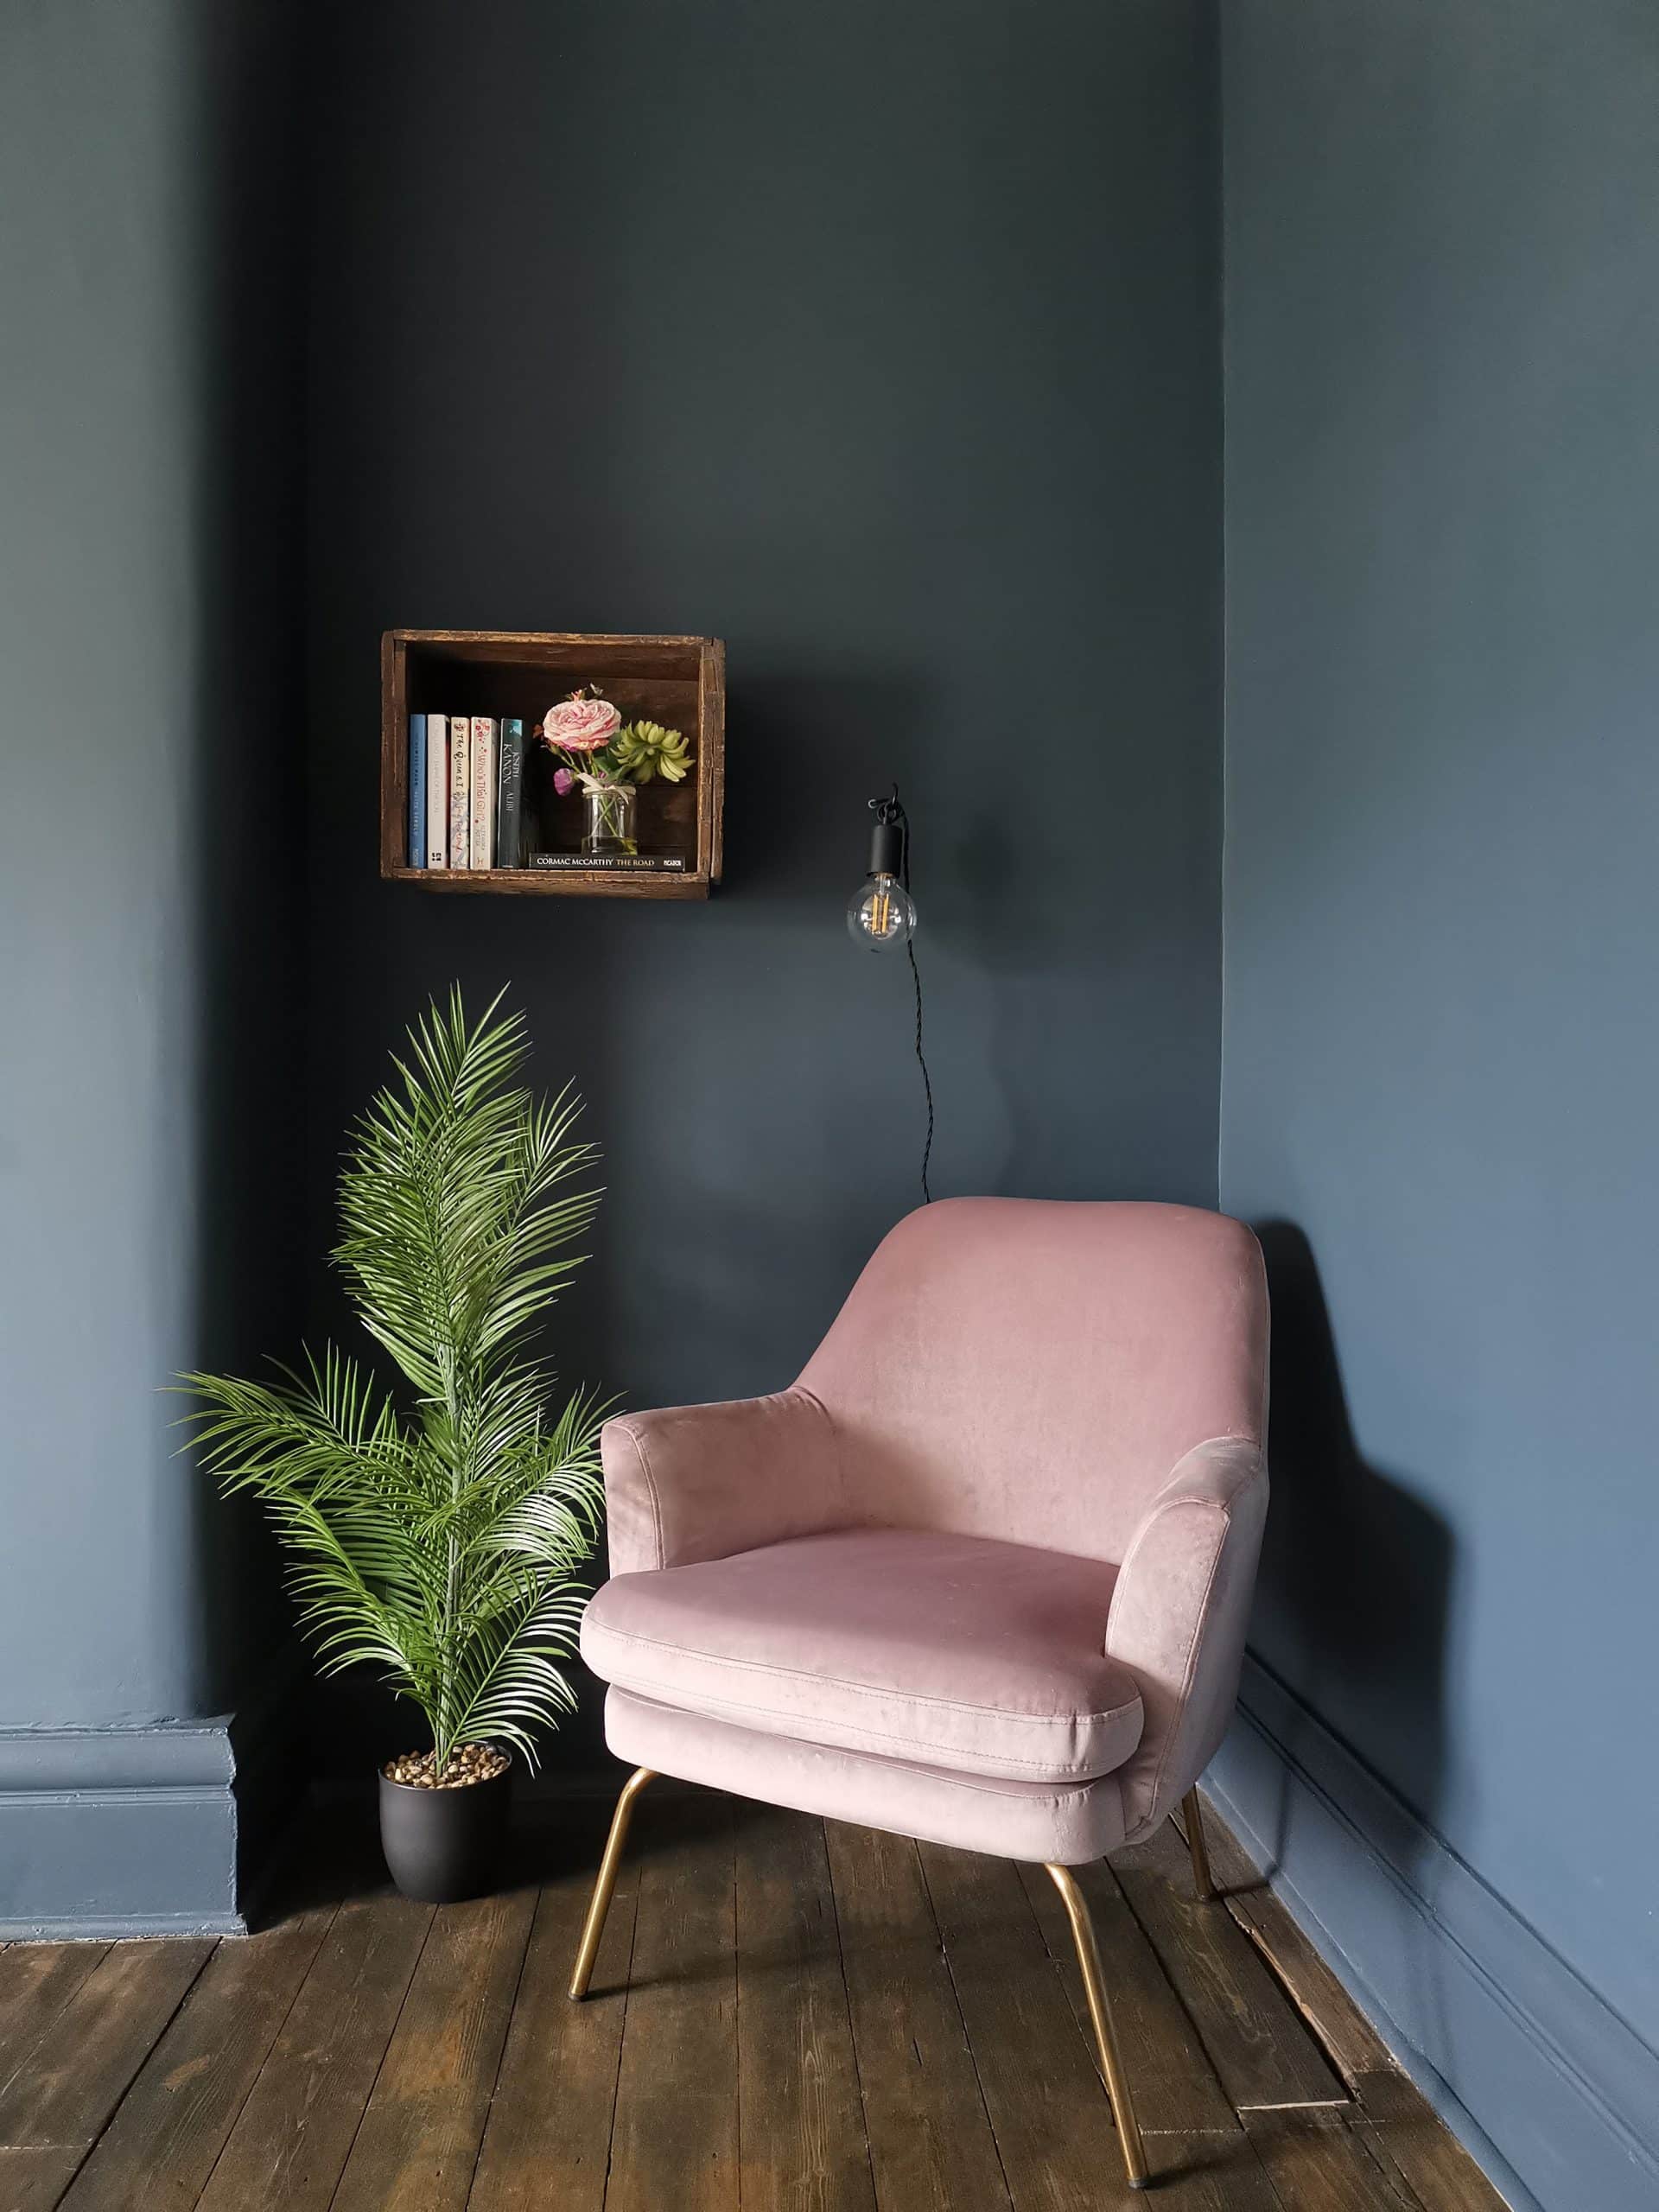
(443, 1835)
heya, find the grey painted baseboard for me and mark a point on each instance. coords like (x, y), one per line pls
(114, 1832)
(1557, 2096)
(163, 1829)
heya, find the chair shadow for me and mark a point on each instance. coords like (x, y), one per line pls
(1356, 1570)
(1356, 1583)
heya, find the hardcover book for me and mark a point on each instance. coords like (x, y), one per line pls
(509, 794)
(481, 851)
(460, 789)
(436, 797)
(417, 790)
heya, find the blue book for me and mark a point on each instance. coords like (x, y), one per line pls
(417, 790)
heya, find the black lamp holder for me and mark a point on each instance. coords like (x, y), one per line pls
(890, 838)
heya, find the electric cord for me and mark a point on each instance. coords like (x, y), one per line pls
(921, 1061)
(892, 810)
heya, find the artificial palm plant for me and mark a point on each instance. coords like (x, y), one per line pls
(438, 1541)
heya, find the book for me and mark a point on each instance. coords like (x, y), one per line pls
(481, 852)
(417, 790)
(509, 794)
(437, 790)
(461, 789)
(617, 863)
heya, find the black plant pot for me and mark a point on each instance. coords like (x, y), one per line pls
(444, 1845)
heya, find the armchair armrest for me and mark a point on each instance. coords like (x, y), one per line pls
(702, 1482)
(1178, 1615)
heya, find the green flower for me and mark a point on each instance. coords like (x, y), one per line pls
(643, 750)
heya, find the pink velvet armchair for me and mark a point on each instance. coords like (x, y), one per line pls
(981, 1575)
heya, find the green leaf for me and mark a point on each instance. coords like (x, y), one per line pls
(440, 1545)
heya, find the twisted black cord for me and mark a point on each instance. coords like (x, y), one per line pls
(921, 1057)
(916, 978)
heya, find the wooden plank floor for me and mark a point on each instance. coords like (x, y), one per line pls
(787, 2016)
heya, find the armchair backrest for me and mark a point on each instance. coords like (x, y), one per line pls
(1033, 1369)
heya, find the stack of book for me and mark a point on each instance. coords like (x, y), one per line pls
(465, 791)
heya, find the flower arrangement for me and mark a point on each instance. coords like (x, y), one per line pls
(600, 754)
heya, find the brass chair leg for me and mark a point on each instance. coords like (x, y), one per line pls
(1201, 1881)
(593, 1927)
(1082, 1934)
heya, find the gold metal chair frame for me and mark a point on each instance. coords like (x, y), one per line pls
(1076, 1911)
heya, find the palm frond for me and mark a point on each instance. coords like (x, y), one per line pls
(508, 1680)
(439, 1546)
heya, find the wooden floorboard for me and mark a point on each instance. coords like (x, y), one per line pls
(675, 2138)
(548, 2138)
(161, 2144)
(37, 1981)
(291, 2140)
(417, 2145)
(1436, 2171)
(1317, 2164)
(80, 2069)
(800, 2112)
(1264, 2055)
(34, 2180)
(932, 2147)
(786, 2015)
(1340, 2028)
(1050, 2117)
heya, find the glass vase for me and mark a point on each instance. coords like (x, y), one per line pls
(608, 824)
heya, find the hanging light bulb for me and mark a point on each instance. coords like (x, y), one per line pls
(881, 915)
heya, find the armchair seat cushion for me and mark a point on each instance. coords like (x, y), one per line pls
(960, 1652)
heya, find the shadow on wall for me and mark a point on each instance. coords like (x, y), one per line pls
(1357, 1571)
(245, 1001)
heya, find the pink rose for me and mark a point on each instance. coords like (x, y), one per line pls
(580, 725)
(563, 781)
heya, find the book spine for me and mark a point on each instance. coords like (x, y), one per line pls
(437, 790)
(509, 794)
(417, 790)
(460, 789)
(483, 841)
(617, 863)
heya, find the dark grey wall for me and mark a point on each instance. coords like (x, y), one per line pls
(1442, 316)
(148, 436)
(882, 343)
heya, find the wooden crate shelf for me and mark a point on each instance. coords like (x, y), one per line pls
(678, 681)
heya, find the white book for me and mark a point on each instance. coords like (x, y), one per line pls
(483, 810)
(460, 789)
(437, 790)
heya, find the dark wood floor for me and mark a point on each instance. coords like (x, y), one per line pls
(787, 2016)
